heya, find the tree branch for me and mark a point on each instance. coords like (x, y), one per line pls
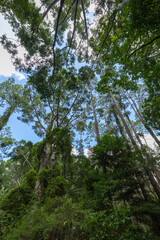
(85, 20)
(144, 45)
(39, 120)
(70, 121)
(69, 109)
(113, 16)
(65, 18)
(56, 30)
(121, 5)
(26, 160)
(74, 27)
(50, 107)
(59, 96)
(50, 6)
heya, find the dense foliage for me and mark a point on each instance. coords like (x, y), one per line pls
(92, 79)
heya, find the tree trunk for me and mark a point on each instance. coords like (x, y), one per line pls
(142, 120)
(52, 160)
(119, 124)
(157, 174)
(150, 176)
(142, 186)
(156, 170)
(80, 144)
(108, 128)
(123, 120)
(45, 158)
(48, 158)
(154, 184)
(135, 133)
(95, 116)
(4, 119)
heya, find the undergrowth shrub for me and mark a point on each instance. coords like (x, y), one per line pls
(51, 183)
(58, 219)
(17, 202)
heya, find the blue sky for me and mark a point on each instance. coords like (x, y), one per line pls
(19, 129)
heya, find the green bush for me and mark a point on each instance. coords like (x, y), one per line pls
(17, 202)
(51, 184)
(61, 219)
(58, 219)
(20, 200)
(118, 225)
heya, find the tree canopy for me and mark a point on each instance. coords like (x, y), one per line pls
(91, 86)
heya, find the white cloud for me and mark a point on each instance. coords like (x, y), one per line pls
(92, 7)
(74, 151)
(19, 75)
(148, 139)
(6, 28)
(88, 152)
(6, 67)
(38, 3)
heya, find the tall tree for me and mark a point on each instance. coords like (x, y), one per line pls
(59, 105)
(10, 96)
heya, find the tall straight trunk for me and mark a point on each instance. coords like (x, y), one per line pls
(149, 174)
(145, 141)
(80, 144)
(119, 124)
(52, 160)
(157, 174)
(143, 121)
(48, 157)
(45, 158)
(135, 133)
(154, 184)
(123, 120)
(44, 163)
(4, 119)
(156, 170)
(108, 128)
(95, 116)
(142, 186)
